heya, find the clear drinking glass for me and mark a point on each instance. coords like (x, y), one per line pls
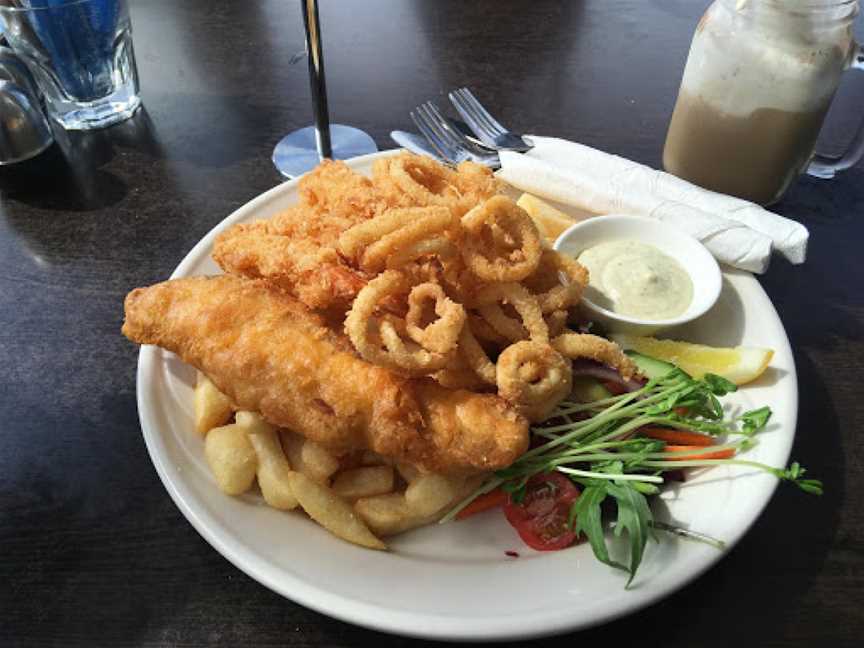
(80, 52)
(758, 82)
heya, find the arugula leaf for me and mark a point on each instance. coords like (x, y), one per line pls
(587, 515)
(634, 517)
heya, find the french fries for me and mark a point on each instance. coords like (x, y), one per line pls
(332, 512)
(364, 482)
(396, 513)
(428, 494)
(231, 458)
(292, 470)
(388, 514)
(273, 468)
(408, 472)
(308, 457)
(212, 407)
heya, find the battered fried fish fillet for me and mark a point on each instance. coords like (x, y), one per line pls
(296, 249)
(269, 354)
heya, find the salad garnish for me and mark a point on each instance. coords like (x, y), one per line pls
(622, 448)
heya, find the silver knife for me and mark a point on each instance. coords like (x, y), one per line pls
(416, 144)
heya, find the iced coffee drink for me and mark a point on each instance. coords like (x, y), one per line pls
(757, 85)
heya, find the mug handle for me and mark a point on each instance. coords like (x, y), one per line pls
(826, 166)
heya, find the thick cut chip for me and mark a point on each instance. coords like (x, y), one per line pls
(332, 512)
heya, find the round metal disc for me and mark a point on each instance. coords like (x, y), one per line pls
(297, 153)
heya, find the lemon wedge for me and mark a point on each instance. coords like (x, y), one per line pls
(550, 221)
(739, 364)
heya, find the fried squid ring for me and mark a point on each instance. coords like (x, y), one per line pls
(546, 282)
(475, 357)
(458, 375)
(378, 340)
(439, 246)
(507, 327)
(520, 299)
(501, 242)
(417, 180)
(397, 233)
(534, 376)
(585, 345)
(556, 321)
(483, 331)
(441, 335)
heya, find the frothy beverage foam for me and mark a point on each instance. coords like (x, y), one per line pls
(751, 106)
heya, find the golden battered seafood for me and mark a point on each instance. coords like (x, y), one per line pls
(594, 347)
(268, 354)
(534, 376)
(500, 242)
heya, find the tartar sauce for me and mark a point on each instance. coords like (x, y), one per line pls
(636, 279)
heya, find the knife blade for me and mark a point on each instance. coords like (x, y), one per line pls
(416, 144)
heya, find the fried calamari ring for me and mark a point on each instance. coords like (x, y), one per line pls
(441, 335)
(501, 242)
(395, 232)
(458, 375)
(417, 180)
(507, 327)
(377, 340)
(534, 376)
(585, 345)
(546, 284)
(520, 299)
(439, 246)
(556, 321)
(484, 332)
(475, 357)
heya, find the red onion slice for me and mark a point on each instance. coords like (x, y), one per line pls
(585, 367)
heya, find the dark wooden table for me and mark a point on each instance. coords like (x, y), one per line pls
(92, 550)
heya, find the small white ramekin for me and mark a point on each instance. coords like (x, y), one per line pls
(690, 253)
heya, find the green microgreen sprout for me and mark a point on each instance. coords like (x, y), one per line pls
(595, 445)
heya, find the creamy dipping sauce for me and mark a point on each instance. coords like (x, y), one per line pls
(634, 278)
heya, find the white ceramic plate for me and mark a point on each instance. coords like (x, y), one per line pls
(454, 581)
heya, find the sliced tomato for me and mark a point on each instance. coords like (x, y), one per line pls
(540, 518)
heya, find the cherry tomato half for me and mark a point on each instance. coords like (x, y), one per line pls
(540, 518)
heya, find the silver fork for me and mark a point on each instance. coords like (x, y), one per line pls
(447, 140)
(485, 126)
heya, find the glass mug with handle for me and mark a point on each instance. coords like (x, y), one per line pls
(758, 83)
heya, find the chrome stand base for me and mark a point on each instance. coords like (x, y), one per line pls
(297, 152)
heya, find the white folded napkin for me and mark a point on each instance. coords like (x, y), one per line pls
(738, 233)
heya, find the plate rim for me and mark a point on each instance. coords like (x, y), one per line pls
(372, 616)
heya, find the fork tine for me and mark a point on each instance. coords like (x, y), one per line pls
(433, 119)
(429, 120)
(482, 111)
(478, 113)
(443, 124)
(479, 128)
(431, 137)
(440, 136)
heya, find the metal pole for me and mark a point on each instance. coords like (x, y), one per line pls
(316, 77)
